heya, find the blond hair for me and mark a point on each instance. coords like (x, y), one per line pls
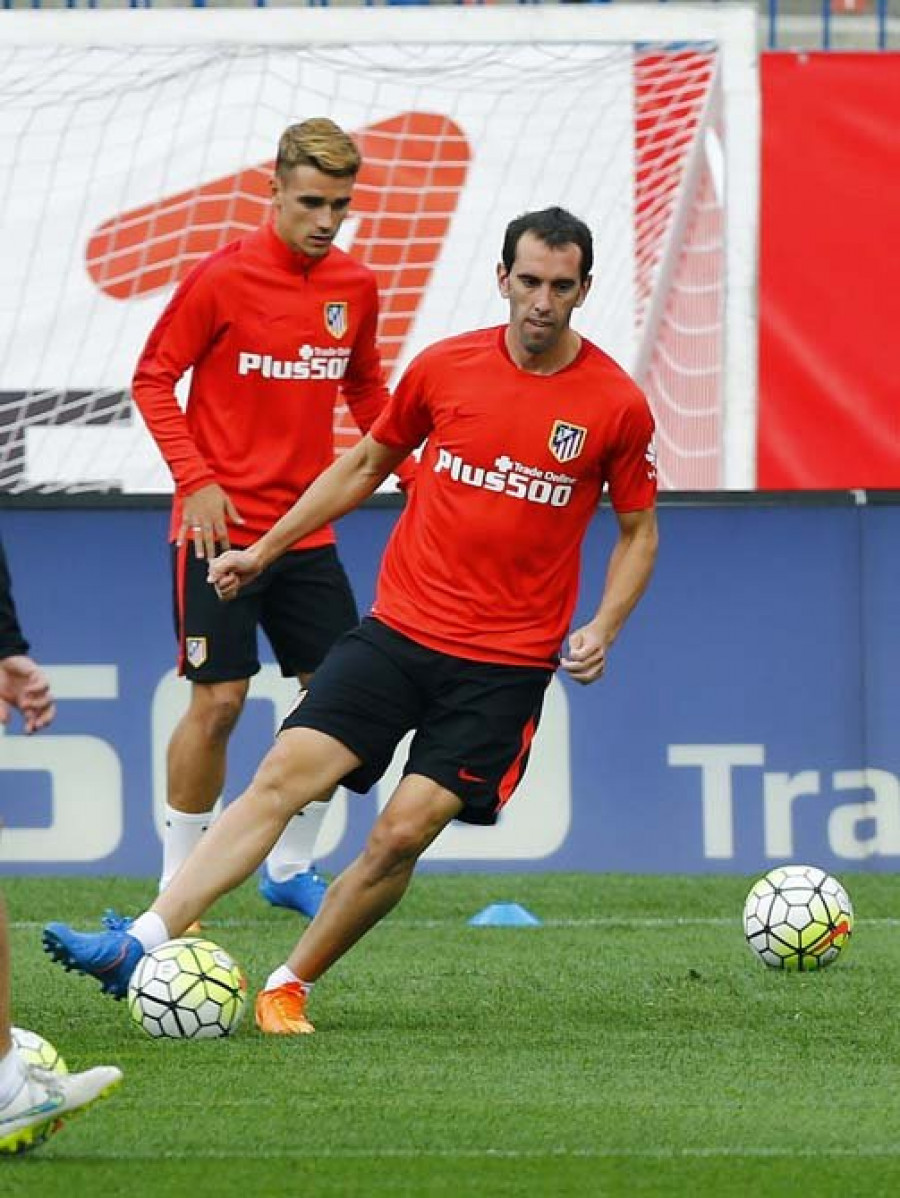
(320, 143)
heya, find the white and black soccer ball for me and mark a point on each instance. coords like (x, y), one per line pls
(35, 1049)
(188, 989)
(798, 917)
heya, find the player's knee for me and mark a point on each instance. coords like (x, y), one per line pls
(282, 790)
(395, 842)
(218, 713)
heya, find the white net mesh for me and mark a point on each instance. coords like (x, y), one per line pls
(127, 164)
(681, 262)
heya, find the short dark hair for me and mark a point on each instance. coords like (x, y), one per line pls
(555, 227)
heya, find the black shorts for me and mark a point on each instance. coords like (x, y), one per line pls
(302, 602)
(474, 721)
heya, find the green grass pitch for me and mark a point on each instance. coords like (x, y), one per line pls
(629, 1046)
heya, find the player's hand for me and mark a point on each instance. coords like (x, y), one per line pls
(231, 570)
(25, 687)
(204, 519)
(586, 657)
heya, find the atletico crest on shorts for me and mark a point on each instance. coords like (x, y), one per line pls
(336, 318)
(566, 440)
(195, 650)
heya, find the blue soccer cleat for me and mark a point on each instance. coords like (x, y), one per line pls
(109, 956)
(303, 892)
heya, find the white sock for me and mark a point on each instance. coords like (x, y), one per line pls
(150, 930)
(295, 849)
(282, 976)
(12, 1074)
(183, 832)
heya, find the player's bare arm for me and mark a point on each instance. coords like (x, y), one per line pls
(630, 568)
(204, 520)
(341, 488)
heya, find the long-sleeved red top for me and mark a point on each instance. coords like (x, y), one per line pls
(272, 337)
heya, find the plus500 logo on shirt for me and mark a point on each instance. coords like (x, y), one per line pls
(524, 482)
(312, 362)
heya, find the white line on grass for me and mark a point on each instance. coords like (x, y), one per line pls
(599, 921)
(725, 1152)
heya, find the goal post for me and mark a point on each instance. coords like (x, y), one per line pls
(138, 140)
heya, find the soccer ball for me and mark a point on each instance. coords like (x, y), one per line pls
(35, 1050)
(188, 989)
(797, 917)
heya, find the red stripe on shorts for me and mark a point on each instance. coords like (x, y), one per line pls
(181, 553)
(513, 775)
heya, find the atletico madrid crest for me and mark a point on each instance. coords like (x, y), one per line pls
(566, 440)
(336, 318)
(195, 650)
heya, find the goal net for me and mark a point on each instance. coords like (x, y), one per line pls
(138, 141)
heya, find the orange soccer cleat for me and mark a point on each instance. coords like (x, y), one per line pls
(282, 1011)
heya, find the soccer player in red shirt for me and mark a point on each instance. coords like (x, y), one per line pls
(523, 427)
(272, 327)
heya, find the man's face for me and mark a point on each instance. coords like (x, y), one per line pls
(543, 287)
(310, 207)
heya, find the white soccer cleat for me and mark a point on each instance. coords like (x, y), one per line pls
(47, 1099)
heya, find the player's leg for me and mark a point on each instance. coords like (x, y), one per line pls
(358, 708)
(473, 738)
(307, 606)
(301, 767)
(34, 1103)
(356, 900)
(375, 882)
(13, 1071)
(217, 655)
(5, 1015)
(289, 877)
(195, 767)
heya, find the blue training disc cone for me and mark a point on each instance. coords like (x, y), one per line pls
(504, 915)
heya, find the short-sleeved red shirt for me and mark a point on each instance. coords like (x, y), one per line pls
(484, 560)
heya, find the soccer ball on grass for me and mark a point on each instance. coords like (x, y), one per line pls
(188, 989)
(797, 917)
(35, 1050)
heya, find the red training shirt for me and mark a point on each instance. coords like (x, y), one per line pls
(484, 560)
(272, 336)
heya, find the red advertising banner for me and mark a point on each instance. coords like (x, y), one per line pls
(829, 301)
